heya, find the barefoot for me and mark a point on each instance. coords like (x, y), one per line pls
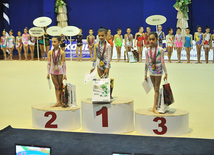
(155, 111)
(151, 110)
(56, 105)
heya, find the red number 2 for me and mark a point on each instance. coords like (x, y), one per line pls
(162, 125)
(49, 123)
(104, 113)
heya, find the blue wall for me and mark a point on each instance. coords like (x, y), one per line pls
(110, 14)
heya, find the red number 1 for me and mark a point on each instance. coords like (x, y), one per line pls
(49, 123)
(104, 113)
(162, 125)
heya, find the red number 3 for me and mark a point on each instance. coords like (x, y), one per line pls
(162, 125)
(53, 118)
(104, 113)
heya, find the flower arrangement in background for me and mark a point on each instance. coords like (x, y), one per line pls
(182, 5)
(59, 3)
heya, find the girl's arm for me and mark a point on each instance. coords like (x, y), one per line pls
(211, 38)
(191, 41)
(146, 64)
(125, 39)
(93, 40)
(164, 38)
(95, 56)
(49, 64)
(135, 39)
(163, 63)
(64, 65)
(87, 40)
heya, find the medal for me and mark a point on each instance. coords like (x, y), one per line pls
(55, 60)
(102, 56)
(153, 58)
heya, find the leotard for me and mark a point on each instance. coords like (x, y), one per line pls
(207, 38)
(140, 40)
(3, 42)
(79, 40)
(10, 42)
(91, 40)
(178, 40)
(118, 41)
(110, 41)
(129, 42)
(98, 53)
(169, 40)
(158, 53)
(199, 38)
(188, 41)
(25, 38)
(18, 41)
(32, 40)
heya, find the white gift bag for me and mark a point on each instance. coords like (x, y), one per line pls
(131, 57)
(162, 108)
(101, 90)
(71, 95)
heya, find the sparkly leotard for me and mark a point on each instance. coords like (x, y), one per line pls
(110, 41)
(140, 40)
(3, 42)
(207, 38)
(160, 64)
(25, 38)
(10, 42)
(18, 41)
(118, 41)
(169, 40)
(129, 42)
(199, 38)
(188, 41)
(178, 40)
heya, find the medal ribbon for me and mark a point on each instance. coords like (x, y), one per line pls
(55, 58)
(154, 55)
(101, 57)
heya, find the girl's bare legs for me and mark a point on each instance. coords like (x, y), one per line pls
(42, 51)
(118, 53)
(128, 49)
(140, 50)
(26, 51)
(156, 80)
(19, 52)
(57, 81)
(91, 53)
(11, 53)
(4, 51)
(169, 49)
(206, 54)
(188, 54)
(32, 47)
(198, 47)
(77, 52)
(80, 53)
(111, 52)
(179, 54)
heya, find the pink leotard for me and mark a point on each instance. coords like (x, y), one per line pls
(25, 38)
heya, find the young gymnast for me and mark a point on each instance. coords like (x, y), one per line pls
(118, 40)
(110, 39)
(178, 43)
(198, 37)
(161, 35)
(188, 43)
(140, 37)
(32, 41)
(57, 68)
(128, 42)
(102, 56)
(90, 40)
(4, 43)
(62, 44)
(148, 30)
(19, 44)
(170, 43)
(207, 43)
(79, 38)
(11, 43)
(155, 64)
(25, 40)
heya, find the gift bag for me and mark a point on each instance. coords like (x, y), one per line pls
(167, 92)
(64, 95)
(101, 91)
(162, 108)
(131, 57)
(136, 55)
(71, 95)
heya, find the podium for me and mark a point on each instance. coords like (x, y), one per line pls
(55, 118)
(116, 117)
(173, 123)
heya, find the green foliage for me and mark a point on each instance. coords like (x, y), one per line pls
(59, 3)
(182, 5)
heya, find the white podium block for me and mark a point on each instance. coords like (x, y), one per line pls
(173, 123)
(55, 118)
(116, 117)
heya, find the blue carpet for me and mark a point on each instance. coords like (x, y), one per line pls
(72, 143)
